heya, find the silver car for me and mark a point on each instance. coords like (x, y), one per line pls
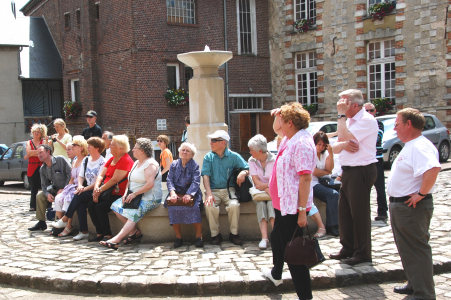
(433, 130)
(13, 165)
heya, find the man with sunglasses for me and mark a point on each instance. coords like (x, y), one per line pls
(216, 169)
(382, 207)
(93, 129)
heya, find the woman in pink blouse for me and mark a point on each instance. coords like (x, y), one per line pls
(291, 191)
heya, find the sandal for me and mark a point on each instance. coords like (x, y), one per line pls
(133, 237)
(110, 245)
(320, 233)
(65, 232)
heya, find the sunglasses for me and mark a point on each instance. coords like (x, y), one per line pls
(216, 140)
(89, 117)
(160, 141)
(76, 145)
(370, 110)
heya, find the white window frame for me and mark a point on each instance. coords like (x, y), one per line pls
(309, 10)
(72, 89)
(310, 68)
(177, 11)
(255, 106)
(382, 61)
(253, 15)
(177, 74)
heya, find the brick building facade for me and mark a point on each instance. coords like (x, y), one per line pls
(120, 56)
(405, 56)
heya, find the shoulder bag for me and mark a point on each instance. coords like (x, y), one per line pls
(85, 163)
(303, 250)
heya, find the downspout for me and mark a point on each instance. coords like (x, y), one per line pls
(227, 72)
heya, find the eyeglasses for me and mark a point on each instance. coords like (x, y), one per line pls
(216, 140)
(89, 117)
(160, 141)
(370, 110)
(76, 145)
(397, 124)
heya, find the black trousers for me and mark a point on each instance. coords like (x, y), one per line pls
(284, 227)
(79, 204)
(98, 211)
(382, 207)
(35, 183)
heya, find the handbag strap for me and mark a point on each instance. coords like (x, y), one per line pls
(303, 232)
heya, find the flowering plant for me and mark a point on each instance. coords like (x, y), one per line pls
(382, 105)
(379, 10)
(176, 97)
(72, 109)
(302, 25)
(311, 108)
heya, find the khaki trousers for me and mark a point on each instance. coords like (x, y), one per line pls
(41, 206)
(411, 231)
(231, 205)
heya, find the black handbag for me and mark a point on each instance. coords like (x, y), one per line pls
(85, 182)
(303, 250)
(106, 195)
(330, 182)
(241, 192)
(134, 204)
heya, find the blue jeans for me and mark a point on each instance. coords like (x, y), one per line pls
(330, 197)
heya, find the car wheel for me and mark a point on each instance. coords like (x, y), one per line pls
(26, 183)
(393, 154)
(443, 151)
(2, 183)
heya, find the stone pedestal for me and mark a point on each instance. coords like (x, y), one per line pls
(206, 93)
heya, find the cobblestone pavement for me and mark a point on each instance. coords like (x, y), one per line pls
(373, 291)
(37, 260)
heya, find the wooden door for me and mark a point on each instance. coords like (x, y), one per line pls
(245, 131)
(266, 121)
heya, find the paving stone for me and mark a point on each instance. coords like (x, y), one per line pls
(112, 284)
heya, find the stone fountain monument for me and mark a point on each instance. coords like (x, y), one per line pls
(206, 93)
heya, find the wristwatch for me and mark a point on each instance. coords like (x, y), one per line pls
(302, 208)
(341, 116)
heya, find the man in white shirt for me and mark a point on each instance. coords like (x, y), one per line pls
(410, 186)
(107, 137)
(356, 145)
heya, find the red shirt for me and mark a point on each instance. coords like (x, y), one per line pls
(33, 162)
(125, 163)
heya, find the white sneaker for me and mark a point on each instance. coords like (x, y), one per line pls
(59, 224)
(267, 273)
(81, 236)
(263, 244)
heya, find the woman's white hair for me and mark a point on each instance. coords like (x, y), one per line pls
(258, 143)
(191, 147)
(123, 142)
(354, 95)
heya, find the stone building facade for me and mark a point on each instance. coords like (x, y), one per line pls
(405, 56)
(120, 56)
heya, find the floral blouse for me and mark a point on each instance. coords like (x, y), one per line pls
(298, 158)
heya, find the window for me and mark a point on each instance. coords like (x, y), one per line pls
(97, 10)
(372, 2)
(8, 154)
(381, 69)
(67, 20)
(306, 78)
(75, 89)
(173, 76)
(181, 11)
(188, 75)
(248, 103)
(18, 152)
(247, 37)
(305, 9)
(430, 124)
(77, 16)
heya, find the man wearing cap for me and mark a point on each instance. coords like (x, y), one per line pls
(410, 186)
(93, 129)
(216, 169)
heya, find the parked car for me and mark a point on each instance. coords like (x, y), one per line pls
(13, 165)
(433, 130)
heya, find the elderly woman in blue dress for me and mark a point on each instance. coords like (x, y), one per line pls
(184, 178)
(144, 178)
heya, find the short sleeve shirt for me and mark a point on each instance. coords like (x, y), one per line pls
(125, 163)
(365, 130)
(321, 165)
(256, 169)
(92, 131)
(166, 153)
(406, 175)
(93, 169)
(220, 168)
(58, 149)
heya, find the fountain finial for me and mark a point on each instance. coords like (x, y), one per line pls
(206, 48)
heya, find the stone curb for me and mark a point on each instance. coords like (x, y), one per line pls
(198, 285)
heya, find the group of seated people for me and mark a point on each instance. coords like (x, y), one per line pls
(79, 186)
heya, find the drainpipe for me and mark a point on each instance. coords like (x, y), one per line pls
(227, 72)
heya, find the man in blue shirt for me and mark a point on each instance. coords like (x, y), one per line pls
(216, 169)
